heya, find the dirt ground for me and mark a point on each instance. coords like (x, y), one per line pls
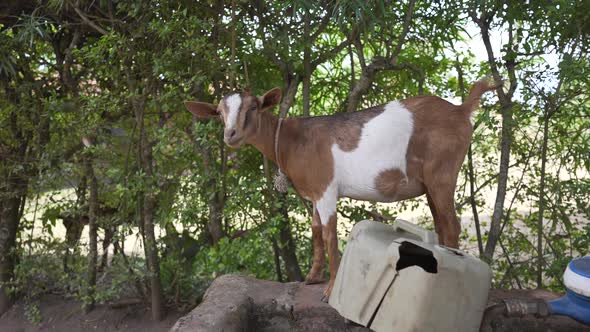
(62, 314)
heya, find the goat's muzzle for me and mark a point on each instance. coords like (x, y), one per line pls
(231, 138)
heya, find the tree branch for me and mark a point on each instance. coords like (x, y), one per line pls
(89, 22)
(323, 57)
(405, 30)
(378, 64)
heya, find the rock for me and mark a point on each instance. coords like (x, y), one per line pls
(226, 307)
(239, 303)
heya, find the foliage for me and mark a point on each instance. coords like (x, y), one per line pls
(118, 73)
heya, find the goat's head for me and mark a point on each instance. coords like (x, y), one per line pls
(239, 113)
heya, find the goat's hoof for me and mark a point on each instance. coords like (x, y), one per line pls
(328, 291)
(311, 281)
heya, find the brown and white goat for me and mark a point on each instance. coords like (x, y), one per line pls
(386, 153)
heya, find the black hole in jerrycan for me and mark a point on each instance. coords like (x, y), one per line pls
(410, 255)
(413, 255)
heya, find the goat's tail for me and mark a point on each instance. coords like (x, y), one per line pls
(479, 88)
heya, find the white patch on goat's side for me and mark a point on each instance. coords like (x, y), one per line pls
(233, 103)
(383, 146)
(472, 118)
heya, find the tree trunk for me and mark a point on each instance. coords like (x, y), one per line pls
(147, 211)
(268, 213)
(495, 226)
(9, 223)
(287, 245)
(352, 72)
(92, 235)
(292, 81)
(275, 250)
(506, 135)
(153, 259)
(542, 201)
(473, 202)
(360, 88)
(215, 224)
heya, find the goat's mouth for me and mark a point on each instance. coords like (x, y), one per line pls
(235, 142)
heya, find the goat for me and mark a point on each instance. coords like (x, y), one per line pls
(396, 151)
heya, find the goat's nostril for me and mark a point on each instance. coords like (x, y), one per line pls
(230, 134)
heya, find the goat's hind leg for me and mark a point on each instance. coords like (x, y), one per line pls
(442, 205)
(440, 180)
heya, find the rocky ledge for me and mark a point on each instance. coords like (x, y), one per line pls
(238, 303)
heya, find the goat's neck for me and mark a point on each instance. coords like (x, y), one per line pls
(264, 138)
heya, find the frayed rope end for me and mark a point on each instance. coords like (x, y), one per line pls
(281, 182)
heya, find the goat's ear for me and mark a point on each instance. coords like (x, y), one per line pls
(270, 99)
(201, 110)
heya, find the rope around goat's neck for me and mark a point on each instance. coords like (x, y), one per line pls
(281, 182)
(277, 144)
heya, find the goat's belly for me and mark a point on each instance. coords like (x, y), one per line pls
(392, 191)
(363, 194)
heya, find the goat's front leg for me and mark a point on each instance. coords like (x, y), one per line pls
(326, 210)
(330, 235)
(319, 258)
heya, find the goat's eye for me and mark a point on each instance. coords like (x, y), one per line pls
(253, 108)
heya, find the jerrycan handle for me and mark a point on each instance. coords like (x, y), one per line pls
(424, 234)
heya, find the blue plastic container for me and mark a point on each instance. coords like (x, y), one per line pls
(576, 302)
